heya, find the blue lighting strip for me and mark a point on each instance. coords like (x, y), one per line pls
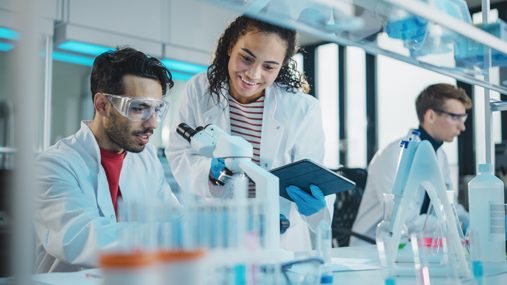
(180, 76)
(8, 34)
(5, 47)
(70, 58)
(83, 48)
(183, 66)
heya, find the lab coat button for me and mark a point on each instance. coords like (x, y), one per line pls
(278, 127)
(112, 217)
(265, 164)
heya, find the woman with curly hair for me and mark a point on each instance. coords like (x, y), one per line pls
(253, 90)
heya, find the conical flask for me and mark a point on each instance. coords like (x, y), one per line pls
(383, 226)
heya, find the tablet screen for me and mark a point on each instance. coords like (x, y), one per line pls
(304, 172)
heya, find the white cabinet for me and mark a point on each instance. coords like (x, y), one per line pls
(181, 30)
(194, 28)
(131, 18)
(49, 10)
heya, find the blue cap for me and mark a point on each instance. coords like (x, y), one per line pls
(417, 133)
(326, 279)
(404, 143)
(389, 281)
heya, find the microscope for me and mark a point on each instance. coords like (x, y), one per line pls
(211, 141)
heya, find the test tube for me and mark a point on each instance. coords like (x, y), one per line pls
(449, 260)
(420, 259)
(475, 255)
(323, 241)
(323, 248)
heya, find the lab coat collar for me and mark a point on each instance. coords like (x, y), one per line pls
(272, 129)
(270, 102)
(220, 111)
(90, 145)
(87, 139)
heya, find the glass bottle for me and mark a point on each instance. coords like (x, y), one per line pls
(383, 226)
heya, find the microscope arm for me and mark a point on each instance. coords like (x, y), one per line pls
(266, 190)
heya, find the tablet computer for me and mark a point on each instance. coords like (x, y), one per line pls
(304, 172)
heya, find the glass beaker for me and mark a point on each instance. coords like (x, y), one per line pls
(433, 230)
(383, 226)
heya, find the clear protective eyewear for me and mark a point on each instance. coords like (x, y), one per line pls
(139, 109)
(457, 118)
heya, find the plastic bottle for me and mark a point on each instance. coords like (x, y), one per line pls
(130, 268)
(183, 267)
(487, 217)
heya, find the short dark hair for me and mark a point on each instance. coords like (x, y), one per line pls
(288, 77)
(435, 96)
(110, 67)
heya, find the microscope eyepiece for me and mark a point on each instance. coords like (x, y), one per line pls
(186, 131)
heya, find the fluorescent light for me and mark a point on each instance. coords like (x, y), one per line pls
(8, 34)
(76, 59)
(181, 76)
(183, 66)
(6, 47)
(83, 48)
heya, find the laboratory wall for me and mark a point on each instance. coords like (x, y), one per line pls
(71, 99)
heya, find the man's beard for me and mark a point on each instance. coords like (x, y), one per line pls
(118, 133)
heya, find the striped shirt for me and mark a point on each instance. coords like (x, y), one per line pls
(246, 122)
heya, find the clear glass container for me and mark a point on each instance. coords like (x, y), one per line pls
(383, 226)
(434, 231)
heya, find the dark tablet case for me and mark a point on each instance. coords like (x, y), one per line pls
(304, 172)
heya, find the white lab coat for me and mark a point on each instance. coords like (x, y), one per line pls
(74, 214)
(291, 130)
(381, 176)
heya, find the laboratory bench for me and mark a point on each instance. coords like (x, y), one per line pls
(495, 273)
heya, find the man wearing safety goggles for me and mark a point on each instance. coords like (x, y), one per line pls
(441, 109)
(82, 176)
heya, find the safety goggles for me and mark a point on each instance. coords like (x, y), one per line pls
(139, 109)
(457, 118)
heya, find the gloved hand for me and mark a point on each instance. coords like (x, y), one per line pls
(307, 204)
(217, 164)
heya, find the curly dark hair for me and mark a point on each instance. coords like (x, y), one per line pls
(288, 77)
(110, 67)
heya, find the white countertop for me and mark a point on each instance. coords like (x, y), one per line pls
(496, 273)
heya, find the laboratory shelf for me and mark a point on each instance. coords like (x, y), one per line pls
(437, 36)
(7, 150)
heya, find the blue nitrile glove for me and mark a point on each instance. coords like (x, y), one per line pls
(217, 164)
(307, 204)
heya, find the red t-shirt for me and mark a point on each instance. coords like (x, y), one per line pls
(112, 163)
